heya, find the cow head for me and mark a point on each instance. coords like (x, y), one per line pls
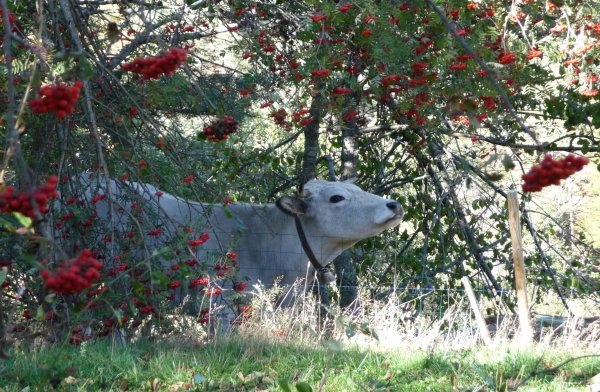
(343, 211)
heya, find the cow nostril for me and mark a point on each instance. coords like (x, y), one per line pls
(392, 205)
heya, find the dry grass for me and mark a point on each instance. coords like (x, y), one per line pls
(396, 323)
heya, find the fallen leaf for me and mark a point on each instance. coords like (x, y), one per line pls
(70, 380)
(388, 375)
(177, 386)
(548, 364)
(154, 384)
(257, 375)
(24, 230)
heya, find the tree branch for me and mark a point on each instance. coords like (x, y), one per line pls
(491, 75)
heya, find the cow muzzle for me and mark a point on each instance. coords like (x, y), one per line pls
(396, 208)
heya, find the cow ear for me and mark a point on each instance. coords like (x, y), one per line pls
(292, 205)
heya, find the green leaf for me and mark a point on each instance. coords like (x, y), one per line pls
(161, 251)
(36, 78)
(60, 67)
(159, 277)
(334, 345)
(507, 162)
(303, 386)
(585, 147)
(31, 260)
(6, 224)
(86, 68)
(199, 378)
(119, 316)
(40, 315)
(350, 332)
(23, 220)
(284, 385)
(49, 298)
(367, 330)
(3, 274)
(341, 321)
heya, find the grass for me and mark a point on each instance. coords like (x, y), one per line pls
(280, 349)
(241, 363)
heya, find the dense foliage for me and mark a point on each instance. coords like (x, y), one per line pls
(440, 105)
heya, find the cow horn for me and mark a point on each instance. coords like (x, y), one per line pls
(302, 193)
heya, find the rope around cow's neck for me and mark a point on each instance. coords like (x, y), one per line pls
(324, 276)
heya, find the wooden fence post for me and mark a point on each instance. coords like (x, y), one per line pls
(514, 222)
(483, 330)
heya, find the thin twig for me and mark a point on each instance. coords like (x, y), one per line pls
(13, 146)
(327, 368)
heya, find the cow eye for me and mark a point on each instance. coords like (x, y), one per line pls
(336, 198)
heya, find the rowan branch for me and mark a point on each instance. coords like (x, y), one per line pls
(490, 74)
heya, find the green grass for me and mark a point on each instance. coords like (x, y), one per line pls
(238, 364)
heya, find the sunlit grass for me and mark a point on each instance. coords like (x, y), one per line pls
(243, 363)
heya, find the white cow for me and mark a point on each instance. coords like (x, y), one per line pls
(333, 215)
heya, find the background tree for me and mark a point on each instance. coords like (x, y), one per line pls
(440, 105)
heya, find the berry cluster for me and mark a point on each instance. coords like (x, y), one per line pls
(21, 202)
(57, 98)
(78, 336)
(200, 240)
(74, 275)
(279, 117)
(12, 19)
(220, 129)
(152, 67)
(551, 171)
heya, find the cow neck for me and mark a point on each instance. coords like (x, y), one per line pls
(323, 274)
